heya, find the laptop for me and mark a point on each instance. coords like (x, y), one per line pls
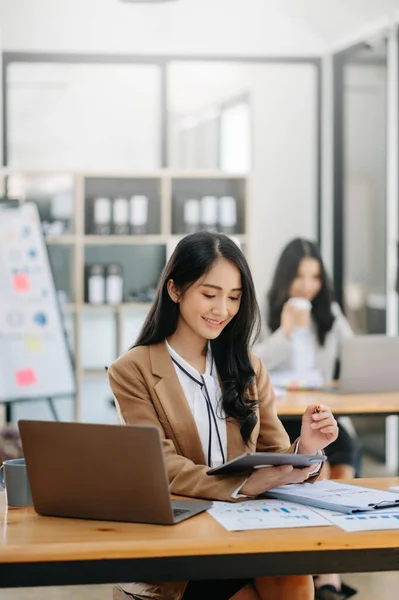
(369, 363)
(103, 472)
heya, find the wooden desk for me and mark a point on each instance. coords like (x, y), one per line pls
(383, 404)
(295, 403)
(38, 550)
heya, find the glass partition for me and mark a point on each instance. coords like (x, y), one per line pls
(361, 240)
(209, 115)
(84, 116)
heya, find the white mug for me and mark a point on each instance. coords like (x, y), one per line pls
(300, 303)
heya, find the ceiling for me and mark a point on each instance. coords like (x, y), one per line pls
(337, 22)
(239, 27)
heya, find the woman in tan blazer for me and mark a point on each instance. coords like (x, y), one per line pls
(191, 375)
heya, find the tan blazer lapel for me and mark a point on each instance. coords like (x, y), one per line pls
(175, 406)
(177, 411)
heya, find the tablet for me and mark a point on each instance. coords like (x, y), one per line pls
(256, 460)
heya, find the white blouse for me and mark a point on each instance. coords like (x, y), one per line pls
(275, 350)
(196, 398)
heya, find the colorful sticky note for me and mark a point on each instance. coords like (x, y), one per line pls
(21, 282)
(40, 319)
(33, 344)
(25, 377)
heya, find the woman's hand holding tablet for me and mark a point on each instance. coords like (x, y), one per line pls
(247, 463)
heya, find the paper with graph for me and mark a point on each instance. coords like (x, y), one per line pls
(384, 519)
(366, 522)
(264, 514)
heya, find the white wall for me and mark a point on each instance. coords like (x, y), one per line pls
(285, 146)
(224, 27)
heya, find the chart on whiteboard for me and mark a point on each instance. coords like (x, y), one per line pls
(26, 296)
(34, 351)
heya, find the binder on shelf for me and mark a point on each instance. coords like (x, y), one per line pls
(192, 215)
(121, 216)
(114, 284)
(138, 214)
(227, 214)
(95, 284)
(332, 495)
(209, 211)
(102, 216)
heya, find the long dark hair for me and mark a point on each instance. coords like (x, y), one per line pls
(285, 273)
(193, 257)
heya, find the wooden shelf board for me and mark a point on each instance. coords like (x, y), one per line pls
(124, 240)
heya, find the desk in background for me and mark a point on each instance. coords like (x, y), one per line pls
(38, 550)
(383, 404)
(295, 402)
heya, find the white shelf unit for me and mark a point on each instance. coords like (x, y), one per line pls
(98, 334)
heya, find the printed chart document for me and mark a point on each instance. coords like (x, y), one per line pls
(339, 497)
(383, 519)
(264, 514)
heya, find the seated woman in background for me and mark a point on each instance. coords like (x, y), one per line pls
(191, 375)
(300, 340)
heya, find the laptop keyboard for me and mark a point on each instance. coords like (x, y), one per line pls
(180, 511)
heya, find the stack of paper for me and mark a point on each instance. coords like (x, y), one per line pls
(354, 508)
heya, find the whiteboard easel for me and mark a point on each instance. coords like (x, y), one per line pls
(35, 361)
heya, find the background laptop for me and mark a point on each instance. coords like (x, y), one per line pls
(369, 363)
(111, 472)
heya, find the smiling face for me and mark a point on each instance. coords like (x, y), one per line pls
(210, 303)
(307, 283)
